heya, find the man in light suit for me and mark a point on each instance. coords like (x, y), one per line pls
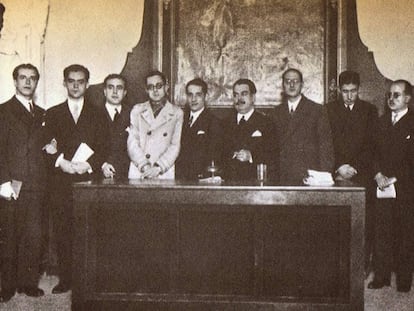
(71, 123)
(353, 123)
(305, 133)
(155, 132)
(117, 117)
(249, 137)
(201, 140)
(394, 157)
(22, 138)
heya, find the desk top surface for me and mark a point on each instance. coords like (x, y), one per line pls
(342, 186)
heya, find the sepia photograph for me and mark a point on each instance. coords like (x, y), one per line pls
(226, 155)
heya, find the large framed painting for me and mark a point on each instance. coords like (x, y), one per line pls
(224, 40)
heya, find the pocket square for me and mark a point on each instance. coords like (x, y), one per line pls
(257, 133)
(200, 132)
(408, 137)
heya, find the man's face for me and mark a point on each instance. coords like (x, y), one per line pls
(292, 84)
(26, 82)
(156, 88)
(76, 84)
(397, 99)
(243, 99)
(349, 93)
(195, 97)
(115, 91)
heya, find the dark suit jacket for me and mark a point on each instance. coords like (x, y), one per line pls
(259, 136)
(395, 152)
(353, 136)
(22, 138)
(90, 129)
(118, 152)
(200, 144)
(305, 140)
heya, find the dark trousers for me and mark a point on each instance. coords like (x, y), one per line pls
(22, 234)
(61, 212)
(394, 240)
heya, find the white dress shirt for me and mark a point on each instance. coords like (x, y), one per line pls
(396, 116)
(194, 115)
(246, 116)
(112, 109)
(75, 107)
(24, 101)
(294, 104)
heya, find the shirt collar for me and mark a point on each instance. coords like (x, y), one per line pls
(76, 102)
(246, 116)
(294, 104)
(196, 114)
(399, 114)
(350, 106)
(24, 101)
(111, 109)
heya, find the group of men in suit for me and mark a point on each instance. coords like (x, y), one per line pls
(157, 139)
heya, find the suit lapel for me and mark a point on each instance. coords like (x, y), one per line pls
(165, 115)
(296, 118)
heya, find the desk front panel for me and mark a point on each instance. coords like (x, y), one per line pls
(181, 254)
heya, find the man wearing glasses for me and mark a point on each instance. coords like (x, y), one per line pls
(394, 169)
(155, 132)
(305, 133)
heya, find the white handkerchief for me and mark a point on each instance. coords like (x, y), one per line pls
(83, 153)
(257, 133)
(387, 193)
(200, 132)
(408, 137)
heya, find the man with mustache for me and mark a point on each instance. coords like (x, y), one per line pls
(249, 137)
(304, 130)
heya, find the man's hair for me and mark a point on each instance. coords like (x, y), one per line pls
(2, 8)
(408, 88)
(294, 70)
(249, 83)
(155, 73)
(197, 82)
(76, 68)
(115, 76)
(25, 66)
(349, 77)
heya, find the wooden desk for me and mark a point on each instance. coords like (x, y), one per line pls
(165, 245)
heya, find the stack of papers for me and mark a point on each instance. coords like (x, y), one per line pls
(318, 178)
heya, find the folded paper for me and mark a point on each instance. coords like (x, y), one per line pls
(83, 153)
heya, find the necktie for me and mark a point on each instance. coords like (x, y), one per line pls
(190, 121)
(394, 118)
(116, 115)
(242, 121)
(291, 110)
(348, 108)
(32, 112)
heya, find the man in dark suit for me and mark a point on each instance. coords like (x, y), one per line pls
(22, 138)
(304, 131)
(71, 123)
(249, 137)
(201, 135)
(117, 117)
(395, 216)
(353, 122)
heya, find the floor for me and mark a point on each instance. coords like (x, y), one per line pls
(386, 299)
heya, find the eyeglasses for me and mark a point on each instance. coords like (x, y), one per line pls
(292, 81)
(395, 95)
(152, 87)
